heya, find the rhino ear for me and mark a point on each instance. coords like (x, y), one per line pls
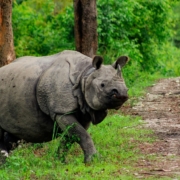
(121, 61)
(97, 62)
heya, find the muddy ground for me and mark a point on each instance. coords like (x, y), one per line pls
(160, 111)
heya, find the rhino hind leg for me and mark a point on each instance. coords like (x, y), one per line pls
(3, 148)
(10, 141)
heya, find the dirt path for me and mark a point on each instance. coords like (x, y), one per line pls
(160, 110)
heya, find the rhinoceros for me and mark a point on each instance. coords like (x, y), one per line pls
(67, 88)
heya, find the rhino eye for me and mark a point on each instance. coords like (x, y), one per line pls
(102, 85)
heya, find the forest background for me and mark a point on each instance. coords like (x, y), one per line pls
(147, 31)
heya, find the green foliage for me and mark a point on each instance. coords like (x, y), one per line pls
(176, 36)
(141, 29)
(39, 30)
(116, 139)
(136, 28)
(19, 1)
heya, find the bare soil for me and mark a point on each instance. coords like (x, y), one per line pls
(160, 110)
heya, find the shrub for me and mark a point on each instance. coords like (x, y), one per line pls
(38, 30)
(135, 27)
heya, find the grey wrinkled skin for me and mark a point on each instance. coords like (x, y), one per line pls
(36, 91)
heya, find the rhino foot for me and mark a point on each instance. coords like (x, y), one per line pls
(3, 150)
(10, 141)
(89, 158)
(3, 153)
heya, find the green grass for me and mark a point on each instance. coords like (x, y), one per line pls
(140, 84)
(116, 140)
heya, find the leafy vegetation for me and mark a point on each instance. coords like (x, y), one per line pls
(176, 37)
(143, 30)
(39, 30)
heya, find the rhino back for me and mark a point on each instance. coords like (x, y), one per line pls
(19, 111)
(55, 86)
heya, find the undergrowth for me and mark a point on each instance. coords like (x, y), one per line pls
(116, 139)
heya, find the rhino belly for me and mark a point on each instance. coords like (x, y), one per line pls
(31, 128)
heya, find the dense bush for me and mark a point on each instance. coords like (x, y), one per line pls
(176, 37)
(136, 27)
(39, 30)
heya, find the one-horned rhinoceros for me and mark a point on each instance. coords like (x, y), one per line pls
(68, 88)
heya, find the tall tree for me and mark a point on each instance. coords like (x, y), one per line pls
(86, 26)
(7, 53)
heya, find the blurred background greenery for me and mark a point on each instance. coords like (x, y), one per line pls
(147, 31)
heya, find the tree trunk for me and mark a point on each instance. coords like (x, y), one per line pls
(85, 26)
(7, 53)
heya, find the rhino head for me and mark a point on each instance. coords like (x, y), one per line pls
(105, 88)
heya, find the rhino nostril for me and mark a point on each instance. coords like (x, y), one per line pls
(115, 92)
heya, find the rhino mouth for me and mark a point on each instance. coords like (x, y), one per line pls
(115, 95)
(117, 99)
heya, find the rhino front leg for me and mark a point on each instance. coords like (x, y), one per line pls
(77, 133)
